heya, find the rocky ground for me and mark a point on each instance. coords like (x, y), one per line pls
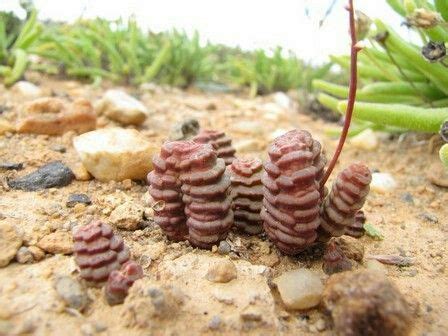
(180, 294)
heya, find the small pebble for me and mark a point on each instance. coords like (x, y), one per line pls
(120, 106)
(222, 271)
(24, 256)
(282, 100)
(74, 199)
(429, 217)
(246, 145)
(59, 242)
(224, 247)
(58, 148)
(37, 253)
(185, 130)
(11, 166)
(366, 140)
(27, 89)
(299, 289)
(127, 215)
(71, 291)
(382, 182)
(320, 325)
(408, 198)
(214, 323)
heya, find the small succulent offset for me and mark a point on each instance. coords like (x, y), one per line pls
(98, 252)
(119, 282)
(104, 259)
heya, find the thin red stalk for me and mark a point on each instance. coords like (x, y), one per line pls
(351, 93)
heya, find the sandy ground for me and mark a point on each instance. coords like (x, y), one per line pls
(29, 303)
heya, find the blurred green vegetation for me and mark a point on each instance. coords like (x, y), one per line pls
(121, 52)
(403, 84)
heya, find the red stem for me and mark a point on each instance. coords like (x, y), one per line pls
(351, 94)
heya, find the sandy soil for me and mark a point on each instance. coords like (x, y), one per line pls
(29, 303)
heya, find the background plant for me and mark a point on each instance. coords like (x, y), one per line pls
(16, 39)
(121, 52)
(404, 85)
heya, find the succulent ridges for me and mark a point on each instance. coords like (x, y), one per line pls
(247, 194)
(334, 259)
(165, 187)
(356, 228)
(98, 251)
(220, 143)
(120, 281)
(347, 196)
(205, 189)
(292, 194)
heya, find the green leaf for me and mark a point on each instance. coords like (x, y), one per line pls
(373, 231)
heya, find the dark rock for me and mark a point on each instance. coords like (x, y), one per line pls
(74, 199)
(367, 303)
(11, 166)
(184, 130)
(54, 174)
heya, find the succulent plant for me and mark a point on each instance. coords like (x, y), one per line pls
(205, 189)
(356, 228)
(292, 194)
(165, 188)
(247, 194)
(334, 259)
(191, 181)
(220, 143)
(347, 196)
(98, 252)
(120, 281)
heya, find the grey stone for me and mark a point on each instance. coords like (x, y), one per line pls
(74, 199)
(11, 166)
(71, 292)
(54, 174)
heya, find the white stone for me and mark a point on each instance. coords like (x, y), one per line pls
(121, 107)
(115, 153)
(278, 132)
(248, 127)
(382, 182)
(246, 145)
(272, 111)
(366, 140)
(27, 89)
(299, 289)
(282, 100)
